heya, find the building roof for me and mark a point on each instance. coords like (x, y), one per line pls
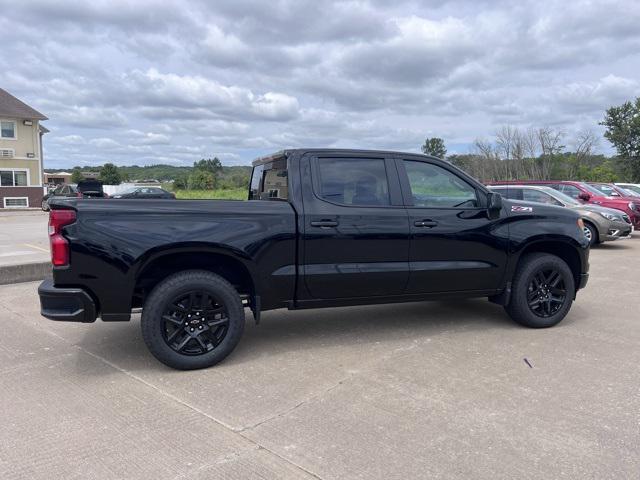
(11, 107)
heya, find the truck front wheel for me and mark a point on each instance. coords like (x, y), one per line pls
(542, 291)
(192, 319)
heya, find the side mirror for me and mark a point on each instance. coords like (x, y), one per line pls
(584, 196)
(494, 204)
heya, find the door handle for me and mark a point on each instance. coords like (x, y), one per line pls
(324, 223)
(425, 223)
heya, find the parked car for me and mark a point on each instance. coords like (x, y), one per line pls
(60, 191)
(585, 193)
(322, 228)
(90, 189)
(601, 224)
(84, 189)
(612, 190)
(144, 193)
(634, 187)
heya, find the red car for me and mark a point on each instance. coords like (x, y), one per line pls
(586, 193)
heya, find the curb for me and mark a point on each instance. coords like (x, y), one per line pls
(27, 272)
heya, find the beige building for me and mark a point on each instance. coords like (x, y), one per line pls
(21, 170)
(57, 178)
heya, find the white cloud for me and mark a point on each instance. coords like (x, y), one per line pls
(147, 82)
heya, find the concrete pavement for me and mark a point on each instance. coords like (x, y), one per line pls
(423, 390)
(23, 237)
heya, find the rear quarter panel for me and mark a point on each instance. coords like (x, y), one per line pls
(113, 240)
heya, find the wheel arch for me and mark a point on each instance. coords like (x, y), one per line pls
(562, 249)
(158, 265)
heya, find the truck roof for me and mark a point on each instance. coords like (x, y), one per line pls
(338, 151)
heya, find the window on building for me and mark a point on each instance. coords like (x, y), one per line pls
(7, 129)
(16, 202)
(13, 178)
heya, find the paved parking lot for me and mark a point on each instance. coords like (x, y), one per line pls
(23, 237)
(423, 390)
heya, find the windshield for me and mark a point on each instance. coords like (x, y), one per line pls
(627, 192)
(632, 188)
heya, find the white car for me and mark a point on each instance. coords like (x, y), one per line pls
(633, 187)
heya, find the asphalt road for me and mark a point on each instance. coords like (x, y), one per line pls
(423, 390)
(23, 237)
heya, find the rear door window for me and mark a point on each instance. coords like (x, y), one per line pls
(539, 197)
(512, 193)
(570, 190)
(353, 181)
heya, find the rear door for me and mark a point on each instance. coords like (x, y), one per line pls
(356, 231)
(454, 245)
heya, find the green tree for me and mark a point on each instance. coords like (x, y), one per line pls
(76, 175)
(435, 147)
(604, 172)
(623, 131)
(181, 182)
(201, 179)
(109, 174)
(211, 165)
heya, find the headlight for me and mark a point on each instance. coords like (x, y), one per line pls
(611, 216)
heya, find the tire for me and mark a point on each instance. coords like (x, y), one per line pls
(591, 233)
(552, 276)
(190, 305)
(45, 206)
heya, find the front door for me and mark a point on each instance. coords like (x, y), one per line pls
(454, 245)
(356, 231)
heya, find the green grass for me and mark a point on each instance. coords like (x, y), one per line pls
(219, 194)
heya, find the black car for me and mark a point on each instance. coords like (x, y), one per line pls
(322, 228)
(84, 189)
(144, 193)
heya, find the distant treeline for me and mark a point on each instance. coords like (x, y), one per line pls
(225, 176)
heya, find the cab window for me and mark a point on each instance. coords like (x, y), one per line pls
(269, 181)
(353, 181)
(435, 187)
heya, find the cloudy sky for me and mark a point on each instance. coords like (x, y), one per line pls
(173, 81)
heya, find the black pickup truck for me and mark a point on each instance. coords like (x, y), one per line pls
(321, 228)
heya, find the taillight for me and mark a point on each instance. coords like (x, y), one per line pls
(59, 244)
(79, 194)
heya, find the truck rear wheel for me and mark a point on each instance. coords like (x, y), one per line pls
(192, 319)
(542, 291)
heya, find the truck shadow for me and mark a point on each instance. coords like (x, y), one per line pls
(314, 331)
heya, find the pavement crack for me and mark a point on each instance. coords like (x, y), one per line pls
(295, 407)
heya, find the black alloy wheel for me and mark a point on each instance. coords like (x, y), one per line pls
(542, 291)
(546, 292)
(192, 319)
(194, 323)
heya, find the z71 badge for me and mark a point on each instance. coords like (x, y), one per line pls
(521, 209)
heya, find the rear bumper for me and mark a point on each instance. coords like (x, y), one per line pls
(66, 304)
